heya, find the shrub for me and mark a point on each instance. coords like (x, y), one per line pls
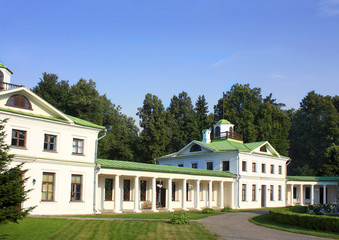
(226, 209)
(299, 209)
(180, 218)
(208, 210)
(322, 223)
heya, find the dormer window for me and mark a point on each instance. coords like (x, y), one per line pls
(263, 149)
(195, 148)
(19, 101)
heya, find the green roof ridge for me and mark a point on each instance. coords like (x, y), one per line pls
(127, 165)
(313, 178)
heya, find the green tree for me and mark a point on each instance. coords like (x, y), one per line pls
(314, 128)
(12, 190)
(154, 136)
(330, 166)
(181, 122)
(203, 119)
(53, 91)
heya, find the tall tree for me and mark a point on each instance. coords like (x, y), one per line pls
(12, 189)
(314, 128)
(154, 136)
(203, 119)
(182, 122)
(330, 166)
(53, 91)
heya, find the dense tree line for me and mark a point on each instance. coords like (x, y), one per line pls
(308, 135)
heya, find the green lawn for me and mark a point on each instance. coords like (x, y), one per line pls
(264, 220)
(45, 228)
(165, 215)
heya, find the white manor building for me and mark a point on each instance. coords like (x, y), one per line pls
(65, 176)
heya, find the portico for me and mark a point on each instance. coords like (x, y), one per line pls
(121, 188)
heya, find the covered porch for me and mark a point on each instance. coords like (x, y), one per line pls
(311, 190)
(168, 189)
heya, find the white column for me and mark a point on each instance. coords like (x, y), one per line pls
(311, 193)
(136, 195)
(324, 195)
(117, 194)
(184, 195)
(154, 195)
(301, 194)
(209, 193)
(169, 201)
(232, 195)
(197, 195)
(292, 195)
(221, 195)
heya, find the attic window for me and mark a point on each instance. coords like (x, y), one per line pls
(263, 149)
(19, 101)
(195, 148)
(1, 77)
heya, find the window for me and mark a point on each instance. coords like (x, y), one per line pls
(263, 149)
(279, 193)
(180, 165)
(194, 165)
(209, 165)
(244, 166)
(254, 167)
(226, 165)
(78, 146)
(18, 138)
(308, 193)
(263, 168)
(47, 190)
(217, 131)
(76, 187)
(195, 148)
(143, 188)
(1, 77)
(295, 193)
(243, 192)
(254, 192)
(280, 169)
(187, 192)
(272, 193)
(19, 101)
(50, 142)
(108, 189)
(127, 188)
(272, 169)
(173, 191)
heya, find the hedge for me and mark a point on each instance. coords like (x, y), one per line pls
(316, 222)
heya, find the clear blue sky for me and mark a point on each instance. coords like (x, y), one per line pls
(131, 48)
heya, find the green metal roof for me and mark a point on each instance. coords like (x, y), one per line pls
(223, 121)
(77, 121)
(313, 179)
(127, 165)
(231, 144)
(3, 66)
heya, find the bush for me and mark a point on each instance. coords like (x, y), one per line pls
(316, 222)
(299, 209)
(180, 218)
(226, 209)
(208, 210)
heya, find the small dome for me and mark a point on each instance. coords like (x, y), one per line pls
(3, 66)
(223, 121)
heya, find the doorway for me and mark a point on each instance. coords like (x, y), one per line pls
(161, 197)
(263, 196)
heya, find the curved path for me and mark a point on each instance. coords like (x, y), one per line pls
(235, 226)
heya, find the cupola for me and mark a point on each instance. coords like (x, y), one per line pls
(5, 77)
(222, 127)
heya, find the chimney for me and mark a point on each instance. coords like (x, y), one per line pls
(206, 136)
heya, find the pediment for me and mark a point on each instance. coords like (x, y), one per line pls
(266, 149)
(193, 147)
(39, 107)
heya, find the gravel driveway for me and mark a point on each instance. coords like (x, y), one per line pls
(235, 226)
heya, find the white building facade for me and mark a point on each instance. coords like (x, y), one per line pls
(65, 177)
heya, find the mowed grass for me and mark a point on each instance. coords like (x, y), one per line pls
(264, 220)
(46, 228)
(165, 215)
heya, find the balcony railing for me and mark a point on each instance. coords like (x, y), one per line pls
(224, 135)
(8, 86)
